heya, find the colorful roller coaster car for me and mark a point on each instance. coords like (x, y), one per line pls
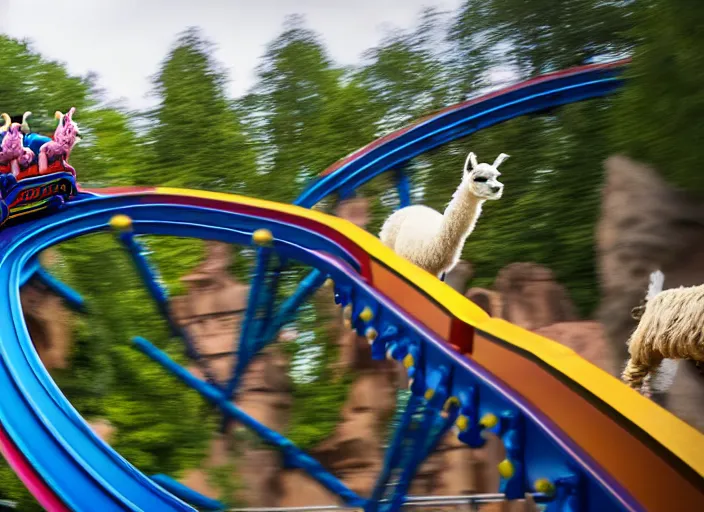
(30, 195)
(34, 172)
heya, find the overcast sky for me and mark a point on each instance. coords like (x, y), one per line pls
(124, 40)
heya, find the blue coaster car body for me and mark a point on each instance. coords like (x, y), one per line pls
(32, 195)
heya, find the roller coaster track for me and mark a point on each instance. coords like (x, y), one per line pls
(574, 436)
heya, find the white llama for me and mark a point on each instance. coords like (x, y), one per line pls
(434, 241)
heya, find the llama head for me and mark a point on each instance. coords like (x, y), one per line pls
(482, 179)
(12, 142)
(67, 132)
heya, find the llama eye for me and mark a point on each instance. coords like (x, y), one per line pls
(480, 179)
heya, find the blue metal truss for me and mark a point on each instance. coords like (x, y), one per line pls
(461, 120)
(294, 455)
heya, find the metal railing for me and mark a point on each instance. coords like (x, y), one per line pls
(415, 502)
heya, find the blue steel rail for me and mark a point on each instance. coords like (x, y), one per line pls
(86, 474)
(392, 151)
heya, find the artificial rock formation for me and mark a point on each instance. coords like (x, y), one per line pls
(212, 311)
(532, 297)
(490, 301)
(646, 224)
(48, 323)
(586, 338)
(458, 277)
(211, 308)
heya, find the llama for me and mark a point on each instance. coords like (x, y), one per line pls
(65, 136)
(669, 329)
(12, 150)
(434, 241)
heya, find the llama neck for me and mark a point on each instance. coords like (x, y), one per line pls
(11, 142)
(65, 141)
(460, 217)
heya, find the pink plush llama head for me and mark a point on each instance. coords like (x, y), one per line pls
(66, 133)
(12, 142)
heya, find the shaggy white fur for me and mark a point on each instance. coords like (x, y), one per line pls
(670, 328)
(434, 241)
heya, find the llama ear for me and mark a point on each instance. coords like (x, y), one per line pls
(471, 158)
(25, 124)
(500, 159)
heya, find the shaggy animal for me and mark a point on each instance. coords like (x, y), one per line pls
(669, 328)
(434, 241)
(11, 150)
(65, 137)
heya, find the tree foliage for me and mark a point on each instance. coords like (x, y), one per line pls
(657, 118)
(196, 140)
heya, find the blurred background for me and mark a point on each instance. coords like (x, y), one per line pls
(257, 98)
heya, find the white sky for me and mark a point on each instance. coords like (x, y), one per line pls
(125, 40)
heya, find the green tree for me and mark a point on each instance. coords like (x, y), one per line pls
(286, 110)
(160, 424)
(197, 139)
(31, 82)
(541, 36)
(472, 52)
(405, 76)
(657, 117)
(111, 154)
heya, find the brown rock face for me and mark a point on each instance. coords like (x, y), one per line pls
(586, 338)
(354, 451)
(212, 311)
(355, 210)
(48, 323)
(645, 224)
(103, 429)
(458, 277)
(218, 456)
(532, 298)
(489, 300)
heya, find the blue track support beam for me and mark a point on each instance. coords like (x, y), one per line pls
(417, 452)
(148, 275)
(288, 309)
(268, 304)
(161, 298)
(247, 342)
(394, 452)
(403, 186)
(70, 296)
(291, 452)
(424, 445)
(30, 270)
(187, 494)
